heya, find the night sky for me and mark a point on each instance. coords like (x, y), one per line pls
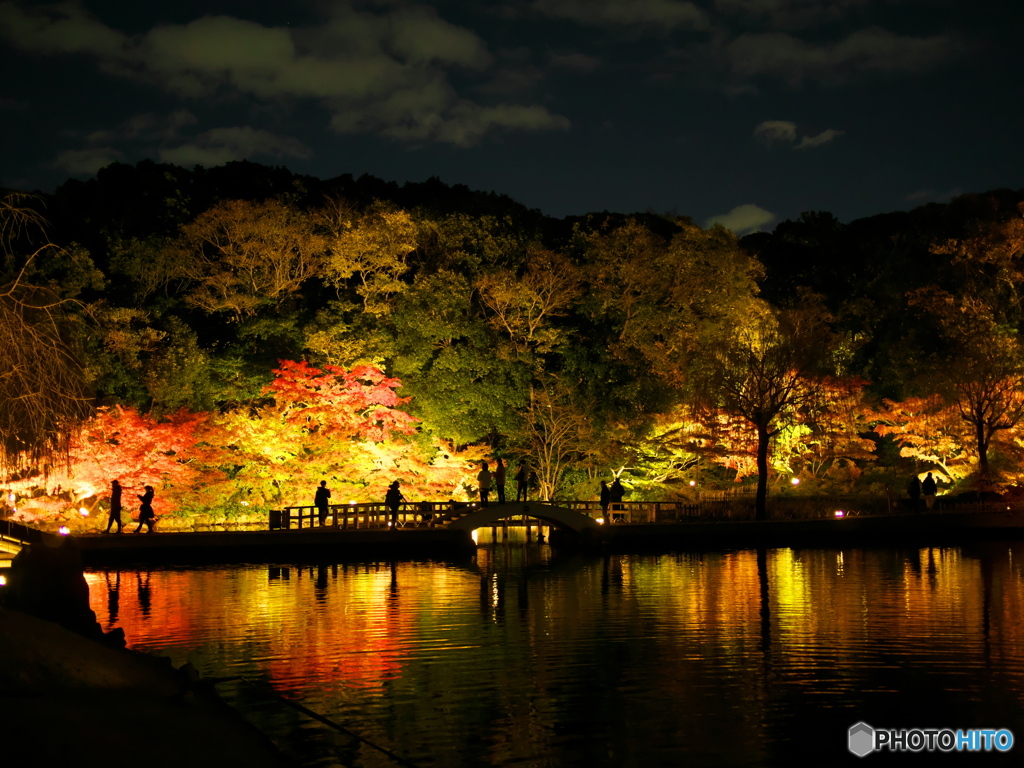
(744, 111)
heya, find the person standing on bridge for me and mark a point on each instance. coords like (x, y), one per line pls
(616, 493)
(323, 493)
(147, 517)
(499, 480)
(393, 500)
(483, 481)
(522, 481)
(914, 492)
(928, 488)
(606, 497)
(115, 505)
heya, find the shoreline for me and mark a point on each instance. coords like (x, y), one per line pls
(445, 544)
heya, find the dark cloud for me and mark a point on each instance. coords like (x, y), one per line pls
(651, 13)
(569, 105)
(386, 73)
(785, 132)
(866, 52)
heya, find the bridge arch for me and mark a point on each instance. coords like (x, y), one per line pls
(559, 517)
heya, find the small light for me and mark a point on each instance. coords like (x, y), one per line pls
(63, 530)
(83, 511)
(244, 503)
(352, 503)
(10, 497)
(693, 483)
(3, 581)
(600, 521)
(795, 481)
(840, 513)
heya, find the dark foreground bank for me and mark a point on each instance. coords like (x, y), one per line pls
(72, 695)
(67, 700)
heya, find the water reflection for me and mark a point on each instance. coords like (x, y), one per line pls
(715, 658)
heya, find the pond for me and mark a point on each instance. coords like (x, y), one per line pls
(523, 657)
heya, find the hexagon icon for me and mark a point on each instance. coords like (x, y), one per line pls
(861, 739)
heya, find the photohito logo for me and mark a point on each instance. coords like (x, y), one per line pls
(862, 739)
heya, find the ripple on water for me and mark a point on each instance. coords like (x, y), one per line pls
(520, 659)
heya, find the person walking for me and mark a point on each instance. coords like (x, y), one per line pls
(393, 500)
(499, 481)
(115, 505)
(323, 494)
(522, 481)
(483, 481)
(147, 517)
(928, 488)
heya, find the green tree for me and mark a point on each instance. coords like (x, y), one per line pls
(764, 371)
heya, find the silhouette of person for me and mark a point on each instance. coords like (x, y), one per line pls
(606, 497)
(323, 493)
(146, 515)
(615, 494)
(499, 481)
(393, 499)
(115, 506)
(928, 488)
(914, 492)
(522, 481)
(483, 480)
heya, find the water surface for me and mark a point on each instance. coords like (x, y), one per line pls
(519, 658)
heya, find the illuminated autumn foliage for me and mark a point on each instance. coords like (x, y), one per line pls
(334, 424)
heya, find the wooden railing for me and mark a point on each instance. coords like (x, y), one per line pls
(368, 515)
(430, 514)
(14, 536)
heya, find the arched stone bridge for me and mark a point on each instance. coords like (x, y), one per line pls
(558, 517)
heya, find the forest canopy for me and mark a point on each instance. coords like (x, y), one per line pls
(233, 335)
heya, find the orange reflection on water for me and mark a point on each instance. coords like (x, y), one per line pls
(329, 626)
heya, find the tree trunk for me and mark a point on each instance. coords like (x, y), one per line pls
(761, 504)
(979, 431)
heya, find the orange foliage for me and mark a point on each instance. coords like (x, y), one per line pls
(342, 426)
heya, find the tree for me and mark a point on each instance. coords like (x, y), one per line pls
(372, 246)
(243, 255)
(764, 372)
(43, 399)
(523, 306)
(557, 430)
(928, 429)
(983, 363)
(666, 299)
